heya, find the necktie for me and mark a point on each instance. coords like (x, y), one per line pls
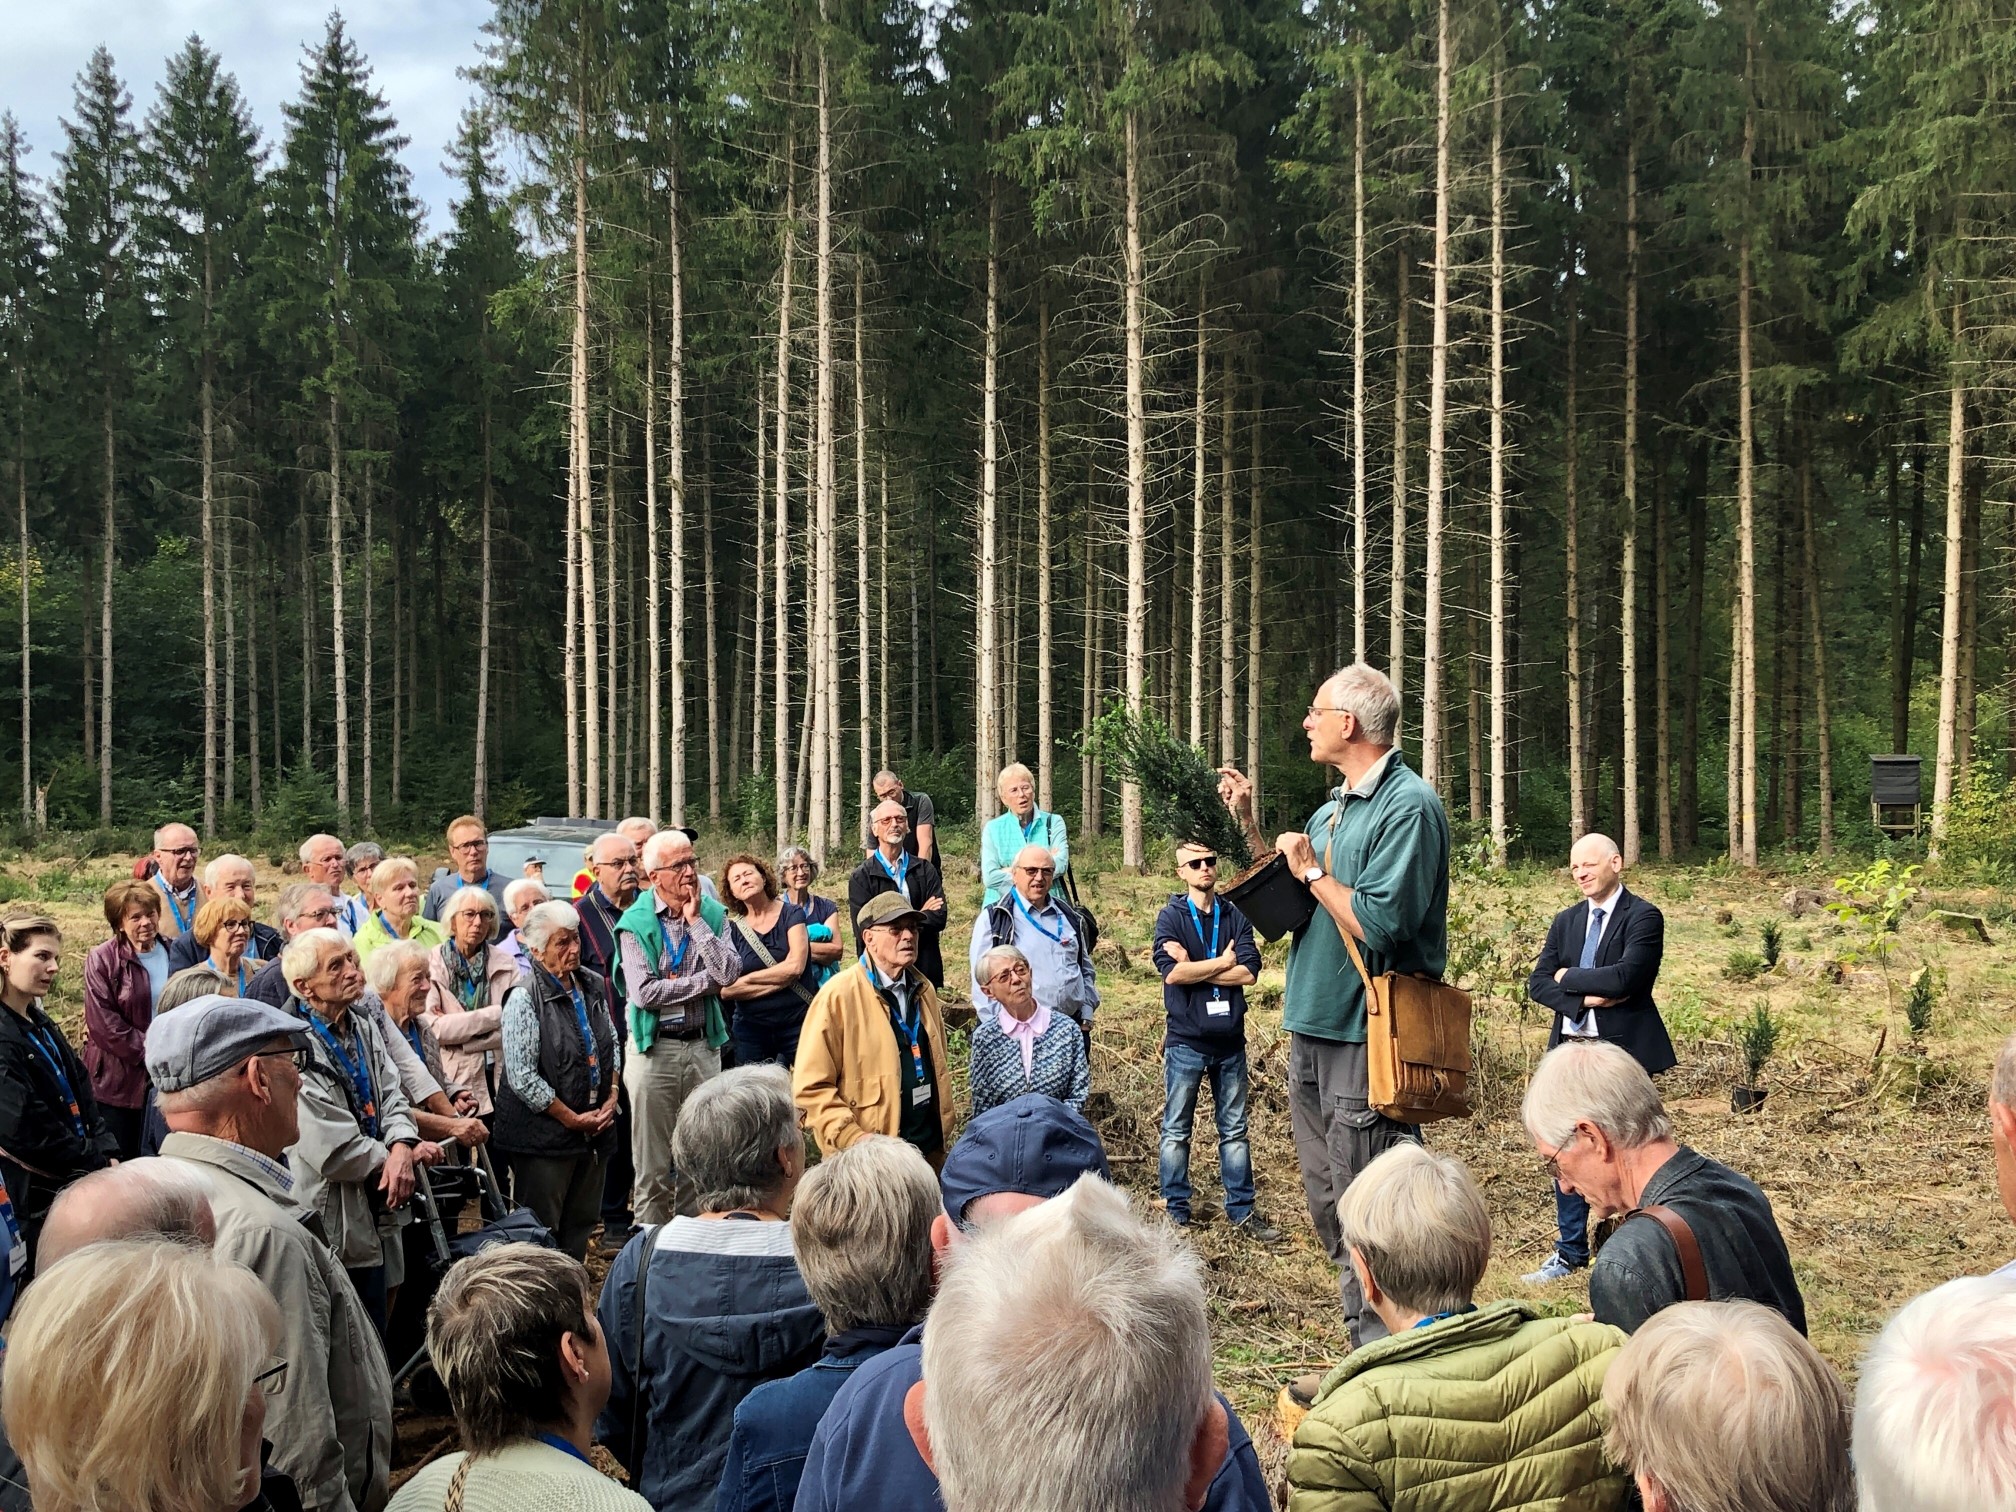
(1593, 939)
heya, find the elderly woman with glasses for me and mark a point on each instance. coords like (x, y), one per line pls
(224, 930)
(797, 871)
(1021, 1046)
(563, 1064)
(471, 978)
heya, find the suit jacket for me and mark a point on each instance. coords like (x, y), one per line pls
(1627, 966)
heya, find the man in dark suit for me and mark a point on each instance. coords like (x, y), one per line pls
(1596, 973)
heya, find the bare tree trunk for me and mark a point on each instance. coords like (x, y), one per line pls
(1046, 732)
(583, 485)
(1088, 672)
(1360, 536)
(1197, 600)
(26, 559)
(675, 441)
(654, 706)
(1628, 543)
(1578, 791)
(1396, 597)
(1945, 768)
(1253, 605)
(1746, 512)
(611, 729)
(1133, 853)
(780, 597)
(480, 798)
(230, 752)
(338, 639)
(1734, 765)
(252, 674)
(709, 648)
(206, 403)
(399, 699)
(882, 587)
(308, 640)
(1822, 705)
(760, 609)
(570, 677)
(1500, 692)
(105, 616)
(1662, 680)
(1228, 575)
(825, 743)
(987, 744)
(368, 562)
(1432, 759)
(865, 627)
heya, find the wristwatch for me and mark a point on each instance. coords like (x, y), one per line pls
(1309, 877)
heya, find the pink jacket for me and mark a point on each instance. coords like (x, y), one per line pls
(118, 1006)
(466, 1034)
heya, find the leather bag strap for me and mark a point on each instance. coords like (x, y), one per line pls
(1693, 1272)
(1358, 960)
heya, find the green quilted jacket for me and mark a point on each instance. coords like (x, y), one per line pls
(1498, 1410)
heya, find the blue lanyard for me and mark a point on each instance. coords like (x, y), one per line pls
(1043, 929)
(360, 1076)
(1449, 1314)
(412, 1033)
(1036, 817)
(554, 1441)
(897, 874)
(241, 975)
(912, 1031)
(1198, 919)
(387, 927)
(183, 921)
(587, 1036)
(678, 957)
(54, 1061)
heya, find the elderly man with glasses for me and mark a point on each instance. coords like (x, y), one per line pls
(893, 867)
(1207, 958)
(228, 1075)
(1044, 928)
(174, 872)
(676, 958)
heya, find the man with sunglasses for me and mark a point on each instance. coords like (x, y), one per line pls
(228, 1075)
(1207, 958)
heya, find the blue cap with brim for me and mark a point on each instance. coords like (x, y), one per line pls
(1035, 1145)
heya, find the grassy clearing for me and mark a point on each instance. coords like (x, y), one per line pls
(1879, 1165)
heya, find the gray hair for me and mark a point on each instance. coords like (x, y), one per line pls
(1932, 1406)
(861, 1232)
(792, 853)
(1727, 1409)
(1591, 1081)
(2002, 1090)
(544, 922)
(311, 842)
(363, 853)
(1368, 696)
(386, 962)
(188, 984)
(1121, 1305)
(289, 906)
(137, 1199)
(515, 891)
(731, 1134)
(218, 864)
(464, 897)
(1419, 1223)
(303, 954)
(1002, 952)
(494, 1331)
(652, 857)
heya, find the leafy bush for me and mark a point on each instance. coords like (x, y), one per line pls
(1980, 818)
(1744, 966)
(1686, 1016)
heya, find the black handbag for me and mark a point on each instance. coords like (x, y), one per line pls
(1082, 918)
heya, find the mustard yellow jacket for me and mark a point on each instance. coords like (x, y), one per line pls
(847, 1078)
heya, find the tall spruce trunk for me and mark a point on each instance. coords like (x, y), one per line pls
(709, 649)
(1396, 588)
(1228, 577)
(987, 746)
(25, 558)
(206, 405)
(1088, 650)
(1746, 479)
(480, 795)
(337, 637)
(1253, 605)
(1197, 599)
(252, 643)
(1134, 296)
(105, 613)
(1628, 537)
(760, 596)
(1579, 821)
(1046, 724)
(825, 735)
(865, 626)
(1662, 679)
(675, 443)
(654, 704)
(1361, 541)
(584, 527)
(1945, 768)
(367, 565)
(1823, 709)
(780, 499)
(1432, 758)
(882, 591)
(1500, 692)
(229, 756)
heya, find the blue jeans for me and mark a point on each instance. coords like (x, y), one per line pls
(758, 1044)
(1183, 1072)
(1571, 1214)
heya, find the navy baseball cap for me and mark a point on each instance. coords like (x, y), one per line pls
(1034, 1145)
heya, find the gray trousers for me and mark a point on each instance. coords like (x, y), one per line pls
(563, 1192)
(1337, 1135)
(659, 1082)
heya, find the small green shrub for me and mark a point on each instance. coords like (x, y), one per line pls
(1770, 937)
(1921, 995)
(1744, 966)
(1757, 1037)
(1686, 1016)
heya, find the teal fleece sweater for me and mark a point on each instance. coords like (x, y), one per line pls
(1388, 841)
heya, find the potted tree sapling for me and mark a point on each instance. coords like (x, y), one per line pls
(1757, 1038)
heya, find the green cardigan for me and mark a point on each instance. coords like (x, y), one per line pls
(640, 922)
(1498, 1410)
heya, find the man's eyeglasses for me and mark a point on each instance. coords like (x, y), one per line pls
(1199, 863)
(689, 864)
(300, 1056)
(321, 915)
(1315, 709)
(470, 845)
(273, 1379)
(180, 850)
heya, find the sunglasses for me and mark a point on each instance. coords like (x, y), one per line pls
(1199, 863)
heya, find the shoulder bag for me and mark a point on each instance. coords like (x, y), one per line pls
(1693, 1271)
(1417, 1044)
(755, 943)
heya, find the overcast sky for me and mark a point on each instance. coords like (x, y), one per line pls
(414, 49)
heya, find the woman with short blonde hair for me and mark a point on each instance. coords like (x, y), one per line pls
(1022, 821)
(223, 928)
(395, 912)
(137, 1377)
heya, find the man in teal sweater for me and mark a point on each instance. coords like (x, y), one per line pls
(1376, 857)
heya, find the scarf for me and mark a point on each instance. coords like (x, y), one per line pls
(467, 975)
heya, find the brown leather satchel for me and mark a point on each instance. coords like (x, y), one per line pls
(1417, 1044)
(1693, 1271)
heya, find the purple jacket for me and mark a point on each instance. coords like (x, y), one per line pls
(118, 1006)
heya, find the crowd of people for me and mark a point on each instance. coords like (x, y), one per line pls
(830, 1285)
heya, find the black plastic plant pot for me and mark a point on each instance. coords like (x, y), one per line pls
(1274, 899)
(1746, 1099)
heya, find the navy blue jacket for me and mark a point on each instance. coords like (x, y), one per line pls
(1627, 966)
(725, 1312)
(1191, 1023)
(775, 1423)
(863, 1455)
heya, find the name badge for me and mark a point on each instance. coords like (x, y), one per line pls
(1218, 1008)
(920, 1094)
(17, 1260)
